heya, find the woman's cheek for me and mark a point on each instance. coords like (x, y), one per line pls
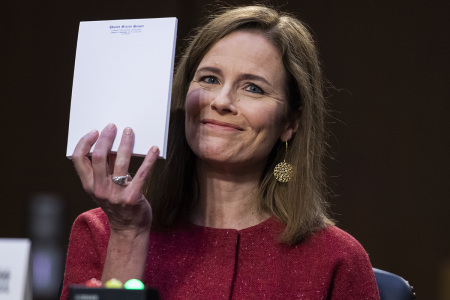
(196, 99)
(192, 101)
(261, 116)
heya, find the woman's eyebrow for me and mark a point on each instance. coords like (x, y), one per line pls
(210, 69)
(247, 76)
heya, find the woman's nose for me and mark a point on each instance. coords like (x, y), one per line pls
(224, 101)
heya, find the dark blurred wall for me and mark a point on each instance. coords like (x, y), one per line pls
(388, 67)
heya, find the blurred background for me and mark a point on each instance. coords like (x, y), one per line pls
(388, 67)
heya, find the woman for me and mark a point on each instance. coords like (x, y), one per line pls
(247, 96)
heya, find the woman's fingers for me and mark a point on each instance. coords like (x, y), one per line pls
(125, 205)
(81, 161)
(123, 157)
(100, 156)
(145, 168)
(111, 162)
(96, 174)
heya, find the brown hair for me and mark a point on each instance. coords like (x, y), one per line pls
(300, 202)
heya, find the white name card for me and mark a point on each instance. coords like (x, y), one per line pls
(15, 269)
(123, 75)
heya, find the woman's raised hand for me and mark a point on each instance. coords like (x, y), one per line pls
(125, 205)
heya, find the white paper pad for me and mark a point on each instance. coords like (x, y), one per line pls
(123, 75)
(15, 269)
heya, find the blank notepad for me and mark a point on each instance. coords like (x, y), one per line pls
(123, 75)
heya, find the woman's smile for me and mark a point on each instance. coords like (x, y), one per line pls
(218, 125)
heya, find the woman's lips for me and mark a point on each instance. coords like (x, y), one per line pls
(221, 125)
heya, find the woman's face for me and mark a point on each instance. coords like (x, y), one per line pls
(235, 103)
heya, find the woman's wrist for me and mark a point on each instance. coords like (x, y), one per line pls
(126, 255)
(129, 235)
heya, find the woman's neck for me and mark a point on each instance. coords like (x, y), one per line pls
(228, 197)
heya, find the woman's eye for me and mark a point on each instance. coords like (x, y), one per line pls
(209, 79)
(253, 88)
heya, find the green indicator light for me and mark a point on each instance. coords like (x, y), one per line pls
(134, 284)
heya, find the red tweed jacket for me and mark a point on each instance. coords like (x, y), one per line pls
(194, 262)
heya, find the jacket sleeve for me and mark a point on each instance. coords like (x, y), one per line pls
(87, 249)
(353, 276)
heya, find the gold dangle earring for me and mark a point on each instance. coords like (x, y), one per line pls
(283, 171)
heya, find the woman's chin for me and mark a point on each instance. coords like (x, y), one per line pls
(215, 147)
(218, 155)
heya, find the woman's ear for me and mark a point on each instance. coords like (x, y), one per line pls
(291, 126)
